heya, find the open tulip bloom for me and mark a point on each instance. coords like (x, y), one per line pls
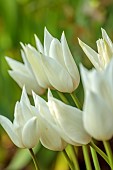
(105, 51)
(98, 110)
(55, 123)
(52, 65)
(24, 131)
(32, 124)
(22, 73)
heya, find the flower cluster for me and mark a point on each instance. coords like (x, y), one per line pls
(54, 123)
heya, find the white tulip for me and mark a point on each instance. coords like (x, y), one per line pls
(105, 51)
(23, 74)
(70, 121)
(49, 132)
(53, 65)
(24, 131)
(98, 104)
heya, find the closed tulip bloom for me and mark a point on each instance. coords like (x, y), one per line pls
(49, 131)
(105, 51)
(23, 75)
(53, 64)
(70, 121)
(24, 131)
(98, 104)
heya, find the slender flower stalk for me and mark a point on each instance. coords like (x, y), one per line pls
(76, 101)
(86, 157)
(75, 159)
(70, 163)
(95, 159)
(34, 159)
(109, 153)
(63, 98)
(99, 151)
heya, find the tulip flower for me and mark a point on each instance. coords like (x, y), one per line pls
(105, 51)
(32, 124)
(24, 131)
(49, 131)
(98, 104)
(23, 74)
(70, 121)
(53, 64)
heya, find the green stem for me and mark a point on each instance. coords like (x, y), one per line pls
(34, 159)
(76, 101)
(63, 98)
(95, 159)
(68, 160)
(99, 151)
(86, 157)
(109, 153)
(75, 161)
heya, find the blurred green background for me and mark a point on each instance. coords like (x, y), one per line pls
(19, 21)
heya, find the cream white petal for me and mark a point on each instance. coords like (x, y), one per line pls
(56, 52)
(97, 117)
(39, 45)
(9, 128)
(27, 111)
(98, 82)
(57, 75)
(31, 133)
(91, 54)
(27, 64)
(24, 96)
(70, 120)
(34, 59)
(47, 41)
(50, 137)
(69, 61)
(18, 115)
(24, 79)
(42, 106)
(16, 65)
(87, 77)
(107, 39)
(49, 94)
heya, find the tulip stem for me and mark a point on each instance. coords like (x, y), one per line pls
(34, 159)
(70, 163)
(75, 161)
(109, 153)
(95, 159)
(76, 101)
(63, 98)
(86, 157)
(99, 151)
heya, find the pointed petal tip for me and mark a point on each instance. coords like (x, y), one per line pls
(49, 93)
(102, 29)
(8, 59)
(34, 95)
(81, 43)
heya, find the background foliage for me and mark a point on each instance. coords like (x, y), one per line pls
(19, 21)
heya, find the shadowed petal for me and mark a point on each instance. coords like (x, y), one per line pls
(91, 54)
(69, 61)
(31, 133)
(50, 137)
(70, 120)
(34, 59)
(97, 117)
(9, 128)
(57, 75)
